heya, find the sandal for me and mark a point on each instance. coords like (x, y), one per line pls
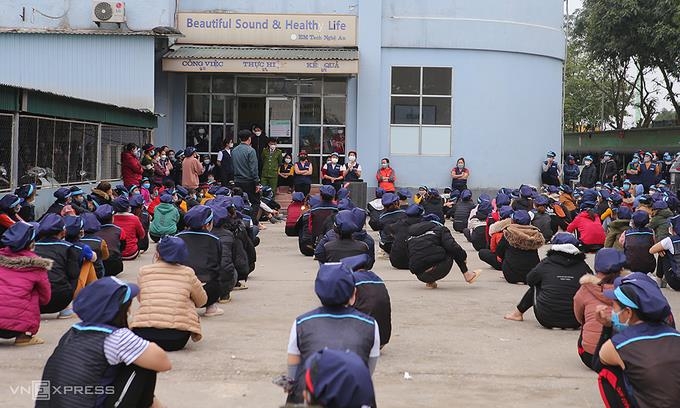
(30, 342)
(474, 278)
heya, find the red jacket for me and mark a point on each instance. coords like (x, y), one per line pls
(590, 231)
(131, 169)
(293, 214)
(24, 286)
(391, 178)
(134, 231)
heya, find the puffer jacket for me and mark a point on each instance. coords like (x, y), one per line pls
(399, 230)
(24, 287)
(496, 235)
(543, 222)
(590, 231)
(430, 243)
(227, 270)
(659, 224)
(165, 220)
(586, 301)
(134, 231)
(462, 214)
(614, 231)
(168, 297)
(519, 250)
(207, 265)
(131, 169)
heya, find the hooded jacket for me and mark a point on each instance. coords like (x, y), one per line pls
(430, 243)
(165, 220)
(586, 301)
(614, 231)
(556, 280)
(519, 250)
(590, 231)
(588, 176)
(24, 287)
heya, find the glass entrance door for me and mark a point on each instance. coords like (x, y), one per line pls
(280, 121)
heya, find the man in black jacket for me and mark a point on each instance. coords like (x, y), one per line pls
(207, 254)
(608, 170)
(553, 284)
(432, 251)
(589, 173)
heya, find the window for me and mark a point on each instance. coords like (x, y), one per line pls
(420, 111)
(114, 139)
(5, 150)
(210, 109)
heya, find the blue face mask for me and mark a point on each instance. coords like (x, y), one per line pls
(616, 323)
(626, 186)
(146, 185)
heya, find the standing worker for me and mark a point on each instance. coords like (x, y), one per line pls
(244, 159)
(191, 168)
(551, 171)
(570, 170)
(649, 171)
(608, 170)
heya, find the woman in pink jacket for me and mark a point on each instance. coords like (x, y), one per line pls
(24, 285)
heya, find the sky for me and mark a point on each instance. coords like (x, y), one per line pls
(574, 4)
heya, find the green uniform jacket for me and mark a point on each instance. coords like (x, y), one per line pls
(271, 160)
(659, 224)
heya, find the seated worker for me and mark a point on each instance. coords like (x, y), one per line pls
(295, 210)
(24, 285)
(65, 271)
(10, 206)
(399, 230)
(101, 351)
(78, 201)
(199, 240)
(609, 265)
(62, 203)
(27, 194)
(636, 242)
(476, 229)
(91, 226)
(375, 209)
(169, 295)
(337, 379)
(228, 273)
(524, 201)
(464, 206)
(137, 208)
(344, 245)
(553, 284)
(269, 208)
(165, 218)
(619, 225)
(589, 228)
(496, 230)
(669, 252)
(404, 195)
(432, 252)
(114, 237)
(519, 247)
(541, 219)
(320, 212)
(659, 224)
(567, 199)
(359, 219)
(433, 203)
(391, 214)
(372, 296)
(244, 251)
(615, 200)
(86, 256)
(128, 222)
(640, 356)
(335, 325)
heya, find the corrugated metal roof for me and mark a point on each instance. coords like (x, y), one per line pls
(73, 32)
(225, 52)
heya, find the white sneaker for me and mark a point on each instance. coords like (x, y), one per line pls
(213, 310)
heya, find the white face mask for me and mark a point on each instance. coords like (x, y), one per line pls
(272, 147)
(352, 158)
(334, 160)
(384, 165)
(163, 157)
(206, 161)
(231, 145)
(257, 133)
(287, 161)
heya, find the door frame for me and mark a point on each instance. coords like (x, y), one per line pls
(294, 131)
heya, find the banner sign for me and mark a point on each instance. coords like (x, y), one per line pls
(258, 66)
(307, 30)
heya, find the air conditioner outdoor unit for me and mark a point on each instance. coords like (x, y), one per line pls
(108, 12)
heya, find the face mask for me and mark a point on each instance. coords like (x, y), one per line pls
(461, 166)
(211, 179)
(334, 160)
(152, 153)
(647, 159)
(587, 162)
(172, 157)
(446, 196)
(146, 185)
(79, 199)
(598, 188)
(352, 158)
(137, 153)
(618, 325)
(668, 162)
(287, 161)
(636, 161)
(272, 147)
(231, 145)
(164, 157)
(384, 165)
(206, 161)
(626, 186)
(258, 133)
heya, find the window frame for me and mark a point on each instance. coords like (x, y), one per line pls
(420, 125)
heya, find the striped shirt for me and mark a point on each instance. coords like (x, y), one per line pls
(123, 346)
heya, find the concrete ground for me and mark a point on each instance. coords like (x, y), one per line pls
(452, 341)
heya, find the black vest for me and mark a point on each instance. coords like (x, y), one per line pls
(636, 248)
(344, 248)
(111, 234)
(66, 267)
(96, 244)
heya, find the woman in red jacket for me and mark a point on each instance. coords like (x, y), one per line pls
(131, 168)
(589, 228)
(128, 222)
(386, 176)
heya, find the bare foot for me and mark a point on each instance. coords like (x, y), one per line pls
(471, 277)
(432, 285)
(157, 403)
(515, 315)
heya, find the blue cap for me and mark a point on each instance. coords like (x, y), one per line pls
(566, 189)
(121, 204)
(343, 193)
(25, 190)
(551, 154)
(19, 235)
(607, 153)
(645, 199)
(433, 192)
(90, 223)
(345, 204)
(432, 217)
(641, 293)
(51, 224)
(541, 200)
(220, 212)
(198, 216)
(344, 222)
(404, 194)
(172, 250)
(166, 198)
(136, 201)
(75, 190)
(389, 198)
(588, 158)
(9, 201)
(298, 196)
(484, 209)
(414, 210)
(609, 260)
(379, 192)
(189, 151)
(626, 181)
(521, 217)
(604, 194)
(327, 191)
(640, 218)
(359, 215)
(502, 199)
(505, 212)
(334, 284)
(660, 205)
(339, 379)
(526, 191)
(100, 301)
(552, 189)
(62, 193)
(587, 205)
(238, 203)
(562, 238)
(73, 225)
(483, 197)
(134, 190)
(181, 191)
(222, 191)
(213, 189)
(466, 195)
(356, 262)
(615, 198)
(624, 213)
(103, 212)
